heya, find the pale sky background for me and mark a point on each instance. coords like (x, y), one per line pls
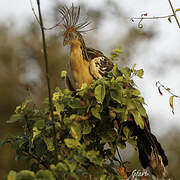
(165, 44)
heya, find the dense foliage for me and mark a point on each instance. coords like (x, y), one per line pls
(90, 125)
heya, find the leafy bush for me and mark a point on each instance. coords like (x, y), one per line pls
(90, 124)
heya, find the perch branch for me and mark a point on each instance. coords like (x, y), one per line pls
(47, 77)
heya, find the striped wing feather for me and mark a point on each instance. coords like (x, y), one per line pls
(100, 65)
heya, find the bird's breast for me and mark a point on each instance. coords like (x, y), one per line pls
(78, 72)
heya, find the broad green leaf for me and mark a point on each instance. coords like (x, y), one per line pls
(139, 73)
(15, 118)
(75, 103)
(62, 167)
(95, 113)
(140, 108)
(86, 127)
(76, 131)
(171, 103)
(59, 107)
(12, 175)
(71, 143)
(126, 71)
(40, 124)
(116, 95)
(44, 175)
(25, 175)
(49, 143)
(134, 92)
(100, 93)
(138, 119)
(130, 105)
(127, 132)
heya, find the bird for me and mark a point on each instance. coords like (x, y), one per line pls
(86, 65)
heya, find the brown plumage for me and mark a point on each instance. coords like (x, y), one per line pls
(87, 64)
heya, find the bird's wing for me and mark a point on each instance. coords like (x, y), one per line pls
(100, 65)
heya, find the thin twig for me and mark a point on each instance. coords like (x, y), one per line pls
(158, 84)
(174, 13)
(47, 78)
(153, 17)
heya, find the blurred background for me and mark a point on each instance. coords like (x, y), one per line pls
(155, 48)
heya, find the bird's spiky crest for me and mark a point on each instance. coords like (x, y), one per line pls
(71, 19)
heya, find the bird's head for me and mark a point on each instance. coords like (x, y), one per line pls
(73, 27)
(72, 37)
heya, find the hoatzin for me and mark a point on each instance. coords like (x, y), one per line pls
(87, 64)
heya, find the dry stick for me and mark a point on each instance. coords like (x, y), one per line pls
(174, 13)
(158, 84)
(47, 78)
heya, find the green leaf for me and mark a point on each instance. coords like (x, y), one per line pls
(44, 175)
(62, 167)
(139, 73)
(95, 113)
(40, 124)
(86, 127)
(138, 119)
(103, 177)
(116, 71)
(100, 93)
(12, 175)
(140, 108)
(25, 175)
(15, 118)
(75, 103)
(127, 132)
(71, 143)
(63, 74)
(126, 71)
(171, 103)
(116, 95)
(134, 92)
(133, 67)
(49, 143)
(76, 131)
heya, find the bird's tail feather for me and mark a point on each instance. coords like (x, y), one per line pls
(151, 154)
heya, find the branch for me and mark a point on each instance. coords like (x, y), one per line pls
(140, 25)
(47, 77)
(174, 13)
(159, 85)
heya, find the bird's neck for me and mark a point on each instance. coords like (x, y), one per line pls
(76, 56)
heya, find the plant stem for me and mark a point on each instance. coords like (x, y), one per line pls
(47, 77)
(174, 13)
